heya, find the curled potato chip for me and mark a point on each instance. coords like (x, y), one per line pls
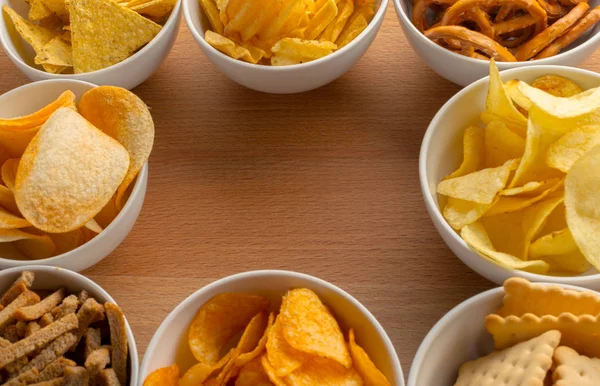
(7, 200)
(166, 376)
(563, 153)
(260, 348)
(66, 99)
(218, 320)
(253, 374)
(323, 371)
(33, 246)
(284, 358)
(229, 47)
(557, 86)
(126, 118)
(512, 90)
(501, 144)
(69, 171)
(271, 372)
(477, 238)
(200, 372)
(308, 326)
(582, 206)
(473, 152)
(562, 107)
(460, 213)
(365, 367)
(507, 204)
(9, 172)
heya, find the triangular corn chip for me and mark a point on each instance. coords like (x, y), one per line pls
(58, 7)
(39, 11)
(57, 52)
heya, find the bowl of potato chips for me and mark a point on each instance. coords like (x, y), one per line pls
(509, 177)
(74, 171)
(285, 46)
(120, 43)
(270, 328)
(520, 334)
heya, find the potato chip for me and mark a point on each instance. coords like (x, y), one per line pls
(9, 172)
(563, 153)
(324, 16)
(508, 204)
(582, 208)
(218, 320)
(66, 99)
(212, 13)
(477, 238)
(365, 367)
(480, 187)
(285, 21)
(93, 226)
(334, 29)
(353, 28)
(512, 90)
(166, 376)
(68, 241)
(308, 326)
(7, 200)
(284, 358)
(9, 251)
(271, 372)
(557, 86)
(57, 52)
(529, 187)
(253, 374)
(473, 152)
(200, 372)
(66, 158)
(559, 250)
(107, 214)
(11, 221)
(562, 107)
(228, 47)
(300, 51)
(105, 33)
(323, 371)
(460, 213)
(501, 145)
(260, 348)
(38, 11)
(33, 246)
(125, 117)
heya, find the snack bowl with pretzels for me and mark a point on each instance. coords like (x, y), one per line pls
(456, 38)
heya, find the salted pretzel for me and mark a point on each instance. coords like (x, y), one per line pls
(478, 41)
(584, 24)
(531, 48)
(516, 38)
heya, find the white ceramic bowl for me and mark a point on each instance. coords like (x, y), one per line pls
(33, 96)
(127, 74)
(462, 70)
(285, 79)
(50, 278)
(169, 344)
(458, 337)
(441, 153)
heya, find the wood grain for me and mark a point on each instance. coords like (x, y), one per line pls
(324, 182)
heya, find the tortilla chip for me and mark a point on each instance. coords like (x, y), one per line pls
(57, 52)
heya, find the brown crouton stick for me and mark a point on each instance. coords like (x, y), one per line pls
(76, 376)
(90, 312)
(118, 340)
(21, 329)
(68, 306)
(37, 340)
(108, 377)
(55, 369)
(15, 368)
(53, 382)
(54, 350)
(46, 319)
(23, 378)
(25, 299)
(10, 333)
(31, 328)
(83, 296)
(98, 360)
(38, 310)
(24, 281)
(93, 340)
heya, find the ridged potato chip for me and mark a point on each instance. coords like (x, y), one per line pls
(355, 25)
(334, 29)
(284, 358)
(212, 13)
(166, 376)
(299, 51)
(218, 320)
(229, 47)
(322, 18)
(323, 371)
(473, 152)
(253, 374)
(308, 326)
(125, 117)
(62, 162)
(365, 367)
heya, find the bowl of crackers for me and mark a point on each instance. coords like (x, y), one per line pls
(509, 177)
(458, 38)
(60, 328)
(105, 42)
(521, 334)
(73, 170)
(287, 46)
(270, 328)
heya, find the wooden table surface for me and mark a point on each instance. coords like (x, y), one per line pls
(324, 182)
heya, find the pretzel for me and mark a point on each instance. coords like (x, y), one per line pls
(512, 25)
(553, 10)
(585, 23)
(503, 13)
(542, 40)
(479, 41)
(513, 40)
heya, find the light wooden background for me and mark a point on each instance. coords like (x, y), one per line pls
(324, 182)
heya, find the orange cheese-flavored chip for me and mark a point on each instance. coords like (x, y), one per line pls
(200, 372)
(244, 358)
(284, 358)
(323, 371)
(365, 367)
(271, 372)
(166, 376)
(308, 326)
(253, 374)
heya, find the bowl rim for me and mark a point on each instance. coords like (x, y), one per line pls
(137, 187)
(88, 76)
(462, 307)
(97, 288)
(373, 24)
(262, 274)
(434, 209)
(407, 23)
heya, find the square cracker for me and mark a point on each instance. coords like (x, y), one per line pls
(574, 369)
(524, 364)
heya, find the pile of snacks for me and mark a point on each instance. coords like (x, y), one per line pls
(541, 333)
(67, 174)
(303, 345)
(508, 31)
(79, 36)
(60, 339)
(284, 32)
(526, 193)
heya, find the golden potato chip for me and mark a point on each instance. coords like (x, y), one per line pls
(57, 52)
(253, 374)
(501, 144)
(480, 187)
(324, 16)
(7, 200)
(557, 86)
(228, 47)
(31, 245)
(243, 13)
(365, 367)
(9, 251)
(581, 202)
(562, 107)
(499, 107)
(212, 13)
(508, 204)
(334, 29)
(200, 372)
(93, 226)
(39, 11)
(68, 241)
(559, 250)
(477, 238)
(512, 90)
(271, 372)
(473, 152)
(308, 326)
(563, 153)
(353, 28)
(65, 159)
(460, 213)
(11, 221)
(284, 358)
(323, 371)
(166, 376)
(15, 140)
(105, 33)
(9, 172)
(66, 99)
(107, 214)
(529, 187)
(126, 118)
(245, 358)
(286, 20)
(218, 320)
(300, 51)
